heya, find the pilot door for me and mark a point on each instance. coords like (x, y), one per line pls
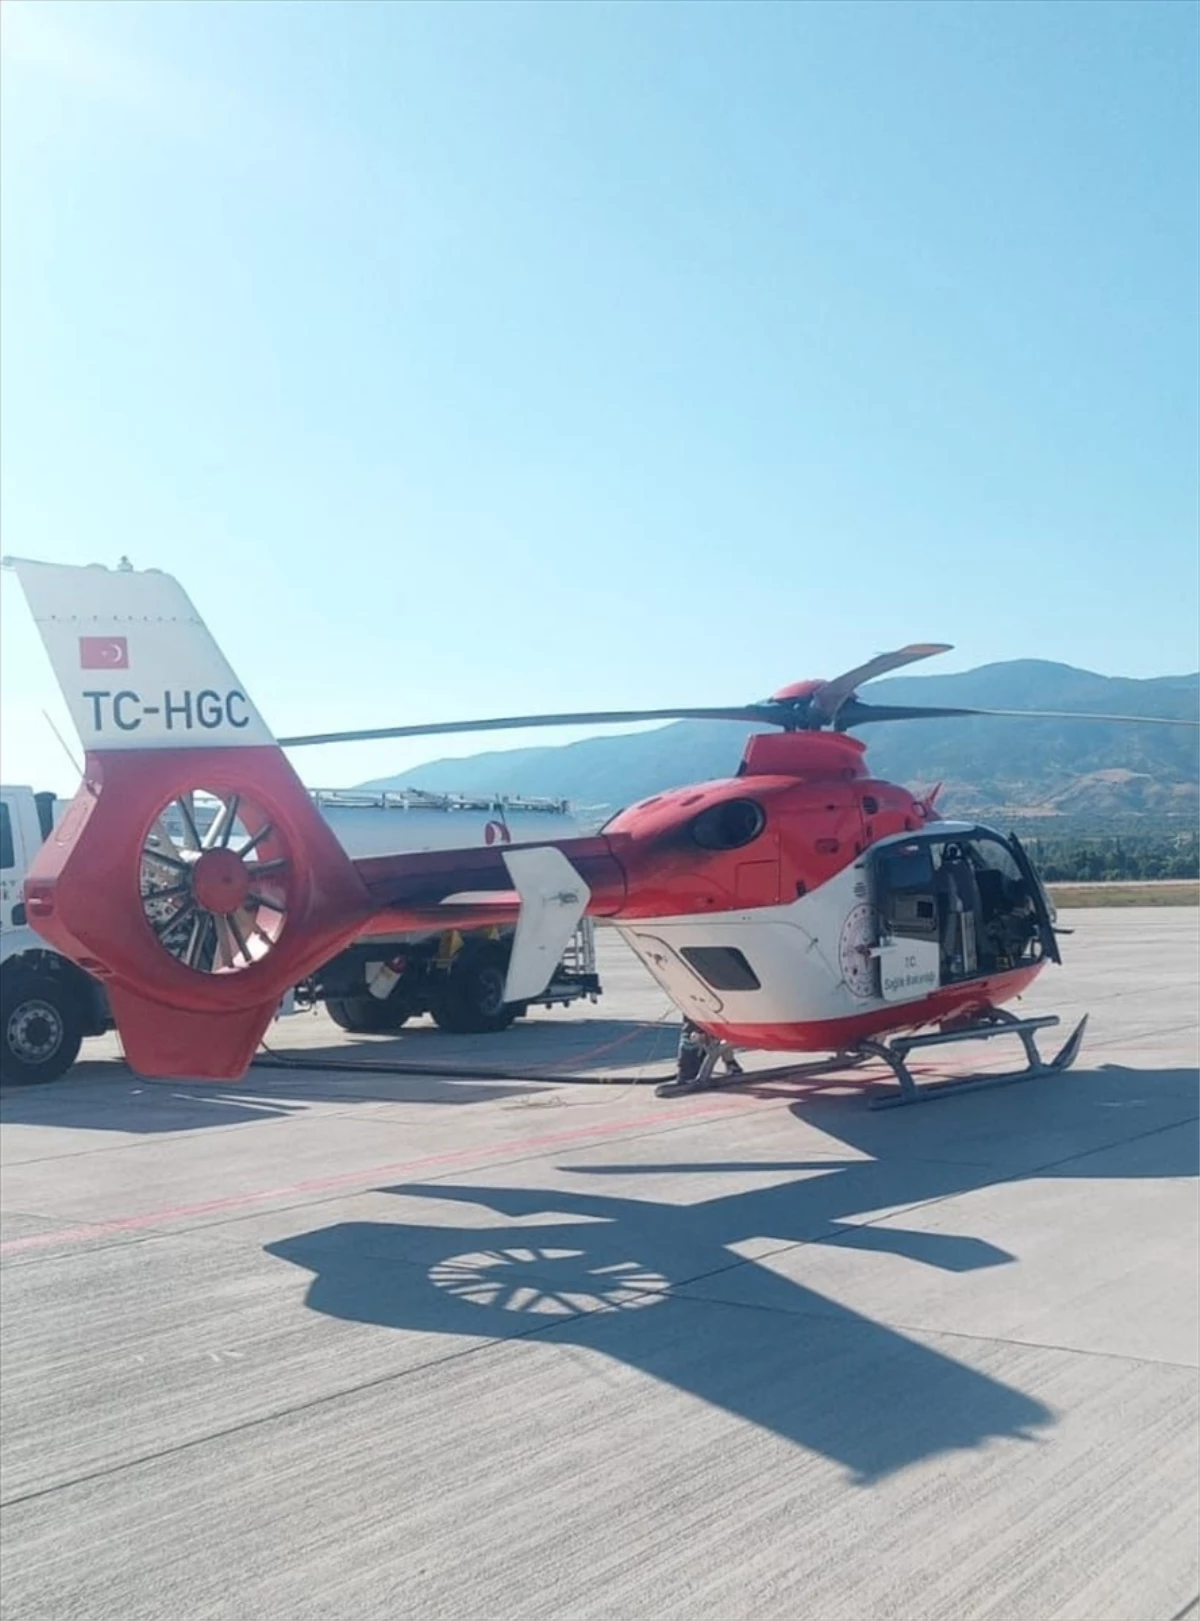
(954, 907)
(1043, 906)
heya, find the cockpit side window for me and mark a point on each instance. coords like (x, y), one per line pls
(729, 825)
(988, 854)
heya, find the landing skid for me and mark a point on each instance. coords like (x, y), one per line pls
(999, 1022)
(699, 1056)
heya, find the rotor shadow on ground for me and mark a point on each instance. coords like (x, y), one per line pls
(587, 1269)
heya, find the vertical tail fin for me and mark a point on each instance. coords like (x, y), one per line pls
(138, 667)
(192, 873)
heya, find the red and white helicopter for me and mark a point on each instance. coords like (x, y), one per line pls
(802, 906)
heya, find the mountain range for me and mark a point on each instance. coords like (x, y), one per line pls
(1044, 768)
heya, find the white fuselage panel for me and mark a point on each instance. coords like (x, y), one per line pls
(813, 958)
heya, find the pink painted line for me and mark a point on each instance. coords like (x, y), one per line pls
(327, 1184)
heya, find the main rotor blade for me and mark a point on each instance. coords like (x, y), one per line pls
(835, 701)
(755, 714)
(831, 695)
(857, 713)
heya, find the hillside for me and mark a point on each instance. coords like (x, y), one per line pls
(1044, 767)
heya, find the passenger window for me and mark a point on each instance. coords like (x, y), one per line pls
(906, 883)
(723, 967)
(908, 867)
(7, 853)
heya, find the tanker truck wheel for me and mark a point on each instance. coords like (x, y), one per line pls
(41, 1028)
(366, 1015)
(472, 999)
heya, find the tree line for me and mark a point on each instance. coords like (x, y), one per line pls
(1076, 858)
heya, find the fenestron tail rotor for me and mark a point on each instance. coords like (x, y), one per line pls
(214, 883)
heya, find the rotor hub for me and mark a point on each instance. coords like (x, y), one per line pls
(220, 881)
(796, 692)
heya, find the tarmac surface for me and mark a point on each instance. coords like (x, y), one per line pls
(362, 1345)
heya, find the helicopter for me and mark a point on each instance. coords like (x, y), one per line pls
(802, 906)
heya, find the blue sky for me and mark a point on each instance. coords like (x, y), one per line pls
(474, 359)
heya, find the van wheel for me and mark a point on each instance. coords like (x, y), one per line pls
(366, 1015)
(40, 1029)
(472, 1000)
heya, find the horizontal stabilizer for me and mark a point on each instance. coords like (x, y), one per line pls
(553, 899)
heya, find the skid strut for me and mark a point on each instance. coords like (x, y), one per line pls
(998, 1022)
(696, 1064)
(699, 1055)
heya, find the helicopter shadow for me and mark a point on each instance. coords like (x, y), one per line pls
(418, 1065)
(531, 1046)
(108, 1097)
(834, 1381)
(636, 1279)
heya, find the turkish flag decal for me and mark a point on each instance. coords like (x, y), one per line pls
(103, 653)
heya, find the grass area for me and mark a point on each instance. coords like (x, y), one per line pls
(1125, 894)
